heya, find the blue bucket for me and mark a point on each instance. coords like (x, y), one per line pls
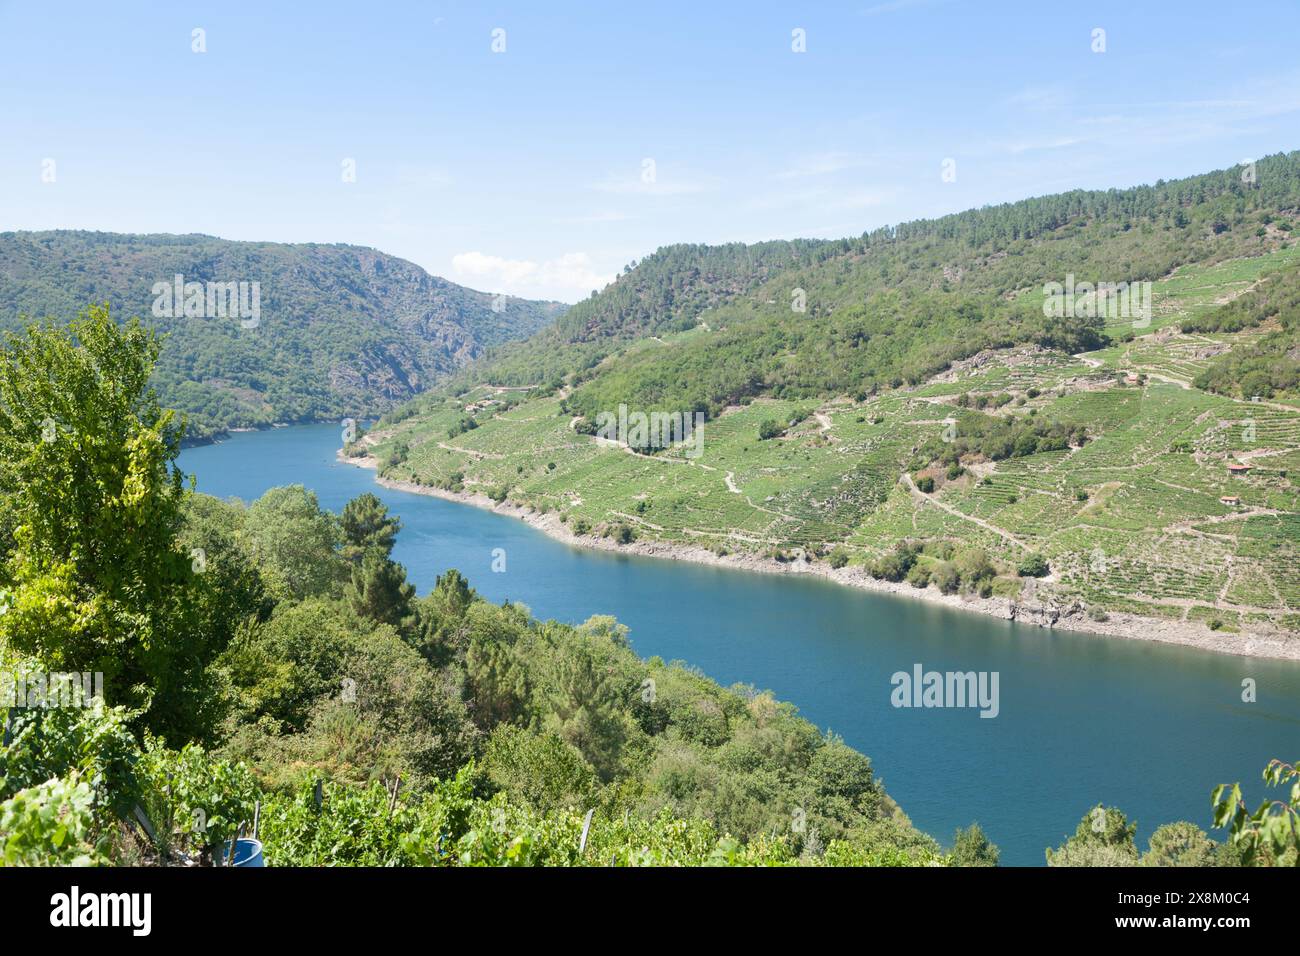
(247, 853)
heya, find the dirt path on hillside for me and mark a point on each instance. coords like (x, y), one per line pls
(919, 496)
(477, 455)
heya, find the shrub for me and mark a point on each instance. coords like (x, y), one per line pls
(203, 798)
(1104, 837)
(540, 771)
(463, 424)
(974, 567)
(363, 826)
(50, 825)
(1180, 844)
(946, 578)
(91, 743)
(895, 565)
(970, 847)
(1033, 566)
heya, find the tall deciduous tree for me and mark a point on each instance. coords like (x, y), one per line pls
(95, 579)
(294, 542)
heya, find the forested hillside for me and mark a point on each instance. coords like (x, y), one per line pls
(343, 331)
(912, 405)
(663, 293)
(893, 305)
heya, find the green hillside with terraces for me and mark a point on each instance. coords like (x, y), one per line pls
(957, 461)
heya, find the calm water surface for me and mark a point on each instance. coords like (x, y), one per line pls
(1150, 729)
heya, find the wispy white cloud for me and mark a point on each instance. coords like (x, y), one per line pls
(1153, 123)
(568, 277)
(608, 215)
(823, 164)
(1039, 98)
(1053, 142)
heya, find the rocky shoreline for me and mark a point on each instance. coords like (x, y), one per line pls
(1068, 617)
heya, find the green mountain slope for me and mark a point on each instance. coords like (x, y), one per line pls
(342, 330)
(967, 281)
(926, 416)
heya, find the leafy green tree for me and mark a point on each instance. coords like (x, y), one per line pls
(229, 595)
(946, 577)
(1180, 844)
(294, 542)
(278, 669)
(1104, 837)
(895, 565)
(539, 771)
(1271, 834)
(974, 566)
(838, 772)
(438, 633)
(96, 579)
(423, 730)
(970, 847)
(1033, 566)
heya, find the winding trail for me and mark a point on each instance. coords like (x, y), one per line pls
(920, 496)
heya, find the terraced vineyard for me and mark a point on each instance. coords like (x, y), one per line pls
(1133, 520)
(928, 412)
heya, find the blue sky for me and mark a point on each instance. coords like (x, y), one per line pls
(525, 171)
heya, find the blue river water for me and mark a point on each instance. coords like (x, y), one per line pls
(1081, 719)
